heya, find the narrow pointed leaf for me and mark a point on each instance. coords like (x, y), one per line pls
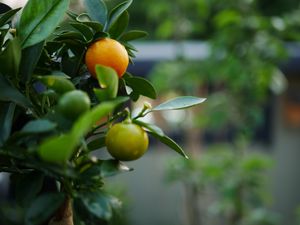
(150, 127)
(29, 60)
(39, 19)
(179, 103)
(10, 58)
(118, 27)
(97, 143)
(10, 93)
(7, 16)
(169, 142)
(7, 112)
(84, 30)
(133, 35)
(117, 12)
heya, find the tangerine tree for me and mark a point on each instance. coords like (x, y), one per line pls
(64, 92)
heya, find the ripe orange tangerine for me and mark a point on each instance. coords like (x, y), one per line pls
(107, 52)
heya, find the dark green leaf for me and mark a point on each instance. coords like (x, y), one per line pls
(9, 93)
(7, 16)
(95, 26)
(7, 111)
(28, 186)
(118, 27)
(117, 12)
(179, 103)
(29, 60)
(39, 19)
(113, 167)
(150, 127)
(141, 86)
(105, 168)
(38, 126)
(97, 10)
(100, 204)
(72, 35)
(133, 35)
(84, 30)
(97, 143)
(72, 15)
(10, 58)
(129, 47)
(169, 142)
(43, 207)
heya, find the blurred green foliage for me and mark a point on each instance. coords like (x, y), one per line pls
(246, 40)
(238, 182)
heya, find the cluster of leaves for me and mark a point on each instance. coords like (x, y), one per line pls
(237, 182)
(40, 62)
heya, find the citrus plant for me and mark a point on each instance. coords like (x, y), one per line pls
(64, 93)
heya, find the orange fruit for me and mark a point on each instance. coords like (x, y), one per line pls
(107, 52)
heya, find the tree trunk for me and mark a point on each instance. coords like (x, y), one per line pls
(64, 215)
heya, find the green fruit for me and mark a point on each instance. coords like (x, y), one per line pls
(126, 141)
(73, 104)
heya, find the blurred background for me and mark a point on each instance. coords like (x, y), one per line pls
(244, 141)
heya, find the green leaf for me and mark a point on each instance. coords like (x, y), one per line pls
(39, 19)
(116, 13)
(29, 60)
(109, 82)
(84, 30)
(97, 10)
(38, 126)
(100, 204)
(72, 15)
(9, 93)
(43, 207)
(104, 168)
(70, 35)
(7, 16)
(95, 26)
(133, 35)
(112, 167)
(10, 58)
(97, 143)
(28, 186)
(57, 83)
(141, 86)
(150, 127)
(118, 27)
(57, 149)
(179, 103)
(169, 142)
(7, 111)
